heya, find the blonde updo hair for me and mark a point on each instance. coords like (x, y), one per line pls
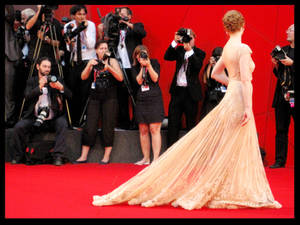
(233, 21)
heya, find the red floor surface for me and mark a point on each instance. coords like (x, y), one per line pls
(46, 191)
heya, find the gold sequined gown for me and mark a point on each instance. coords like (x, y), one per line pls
(216, 165)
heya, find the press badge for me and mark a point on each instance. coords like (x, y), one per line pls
(93, 86)
(145, 88)
(223, 89)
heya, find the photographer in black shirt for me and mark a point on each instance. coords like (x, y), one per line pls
(283, 101)
(102, 102)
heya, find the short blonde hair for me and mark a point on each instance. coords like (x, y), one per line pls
(233, 21)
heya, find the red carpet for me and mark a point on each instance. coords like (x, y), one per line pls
(46, 191)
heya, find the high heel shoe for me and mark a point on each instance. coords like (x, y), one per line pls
(140, 163)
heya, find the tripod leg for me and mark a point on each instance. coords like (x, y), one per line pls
(36, 54)
(53, 36)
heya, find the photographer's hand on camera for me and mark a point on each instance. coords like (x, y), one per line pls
(57, 85)
(177, 38)
(287, 61)
(42, 82)
(127, 23)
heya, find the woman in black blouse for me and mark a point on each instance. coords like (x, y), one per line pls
(103, 102)
(149, 110)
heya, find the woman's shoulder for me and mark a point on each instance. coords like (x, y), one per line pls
(245, 48)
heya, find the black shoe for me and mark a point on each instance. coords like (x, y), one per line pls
(104, 163)
(58, 161)
(277, 165)
(79, 162)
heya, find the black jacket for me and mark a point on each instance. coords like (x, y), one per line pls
(32, 94)
(278, 95)
(195, 62)
(134, 38)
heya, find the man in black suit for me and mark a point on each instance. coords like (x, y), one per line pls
(283, 101)
(43, 108)
(185, 88)
(129, 36)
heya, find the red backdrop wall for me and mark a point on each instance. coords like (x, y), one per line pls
(265, 27)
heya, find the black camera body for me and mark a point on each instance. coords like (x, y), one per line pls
(278, 53)
(47, 11)
(112, 26)
(43, 113)
(70, 34)
(143, 55)
(185, 33)
(51, 78)
(101, 65)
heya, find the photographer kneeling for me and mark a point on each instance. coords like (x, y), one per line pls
(103, 101)
(149, 110)
(44, 97)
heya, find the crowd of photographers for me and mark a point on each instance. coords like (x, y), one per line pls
(74, 74)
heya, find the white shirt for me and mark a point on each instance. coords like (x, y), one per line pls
(88, 41)
(181, 75)
(44, 101)
(123, 54)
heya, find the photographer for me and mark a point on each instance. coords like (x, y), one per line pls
(123, 36)
(283, 101)
(149, 110)
(39, 30)
(106, 74)
(185, 89)
(44, 108)
(13, 55)
(81, 46)
(215, 91)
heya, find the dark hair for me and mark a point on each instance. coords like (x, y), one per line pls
(129, 12)
(138, 49)
(40, 60)
(77, 8)
(99, 42)
(217, 51)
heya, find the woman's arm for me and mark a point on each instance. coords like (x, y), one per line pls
(87, 70)
(218, 72)
(115, 69)
(246, 75)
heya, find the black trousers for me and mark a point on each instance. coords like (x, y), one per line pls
(23, 131)
(10, 91)
(283, 113)
(80, 90)
(180, 103)
(107, 110)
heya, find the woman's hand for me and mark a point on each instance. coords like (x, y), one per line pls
(247, 116)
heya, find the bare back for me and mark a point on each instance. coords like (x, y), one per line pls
(231, 58)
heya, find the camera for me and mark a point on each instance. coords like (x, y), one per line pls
(70, 34)
(101, 64)
(112, 25)
(51, 78)
(278, 53)
(185, 35)
(43, 113)
(143, 55)
(47, 11)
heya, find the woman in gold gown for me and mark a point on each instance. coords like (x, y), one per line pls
(217, 164)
